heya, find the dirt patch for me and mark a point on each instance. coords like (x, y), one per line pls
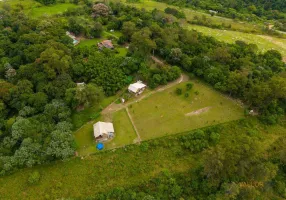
(198, 112)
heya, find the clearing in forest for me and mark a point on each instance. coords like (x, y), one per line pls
(264, 43)
(165, 113)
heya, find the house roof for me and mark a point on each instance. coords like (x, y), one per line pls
(101, 128)
(107, 43)
(136, 86)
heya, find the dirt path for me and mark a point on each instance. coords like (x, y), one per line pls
(133, 124)
(114, 107)
(278, 43)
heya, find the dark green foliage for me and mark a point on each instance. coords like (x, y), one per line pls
(175, 12)
(179, 91)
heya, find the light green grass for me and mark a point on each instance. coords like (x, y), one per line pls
(50, 10)
(124, 134)
(80, 118)
(164, 113)
(264, 43)
(89, 42)
(124, 131)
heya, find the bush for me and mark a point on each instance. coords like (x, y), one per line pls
(187, 95)
(34, 178)
(189, 86)
(179, 91)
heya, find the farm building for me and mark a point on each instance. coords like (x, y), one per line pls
(137, 88)
(105, 43)
(103, 131)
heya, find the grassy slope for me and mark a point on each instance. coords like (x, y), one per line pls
(150, 5)
(120, 168)
(50, 10)
(164, 112)
(264, 43)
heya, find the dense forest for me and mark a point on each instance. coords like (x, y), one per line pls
(40, 69)
(247, 10)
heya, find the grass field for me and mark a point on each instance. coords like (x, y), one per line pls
(264, 43)
(124, 131)
(36, 10)
(120, 168)
(190, 14)
(124, 134)
(165, 113)
(50, 10)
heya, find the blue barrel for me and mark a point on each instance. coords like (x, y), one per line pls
(100, 146)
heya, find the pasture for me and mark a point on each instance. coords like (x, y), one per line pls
(263, 42)
(190, 14)
(37, 10)
(124, 134)
(165, 113)
(125, 167)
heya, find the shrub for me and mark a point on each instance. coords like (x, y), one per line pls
(179, 91)
(34, 178)
(187, 95)
(189, 86)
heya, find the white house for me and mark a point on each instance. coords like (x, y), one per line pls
(103, 131)
(137, 88)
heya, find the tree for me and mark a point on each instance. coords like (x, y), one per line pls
(96, 30)
(100, 9)
(60, 145)
(128, 28)
(141, 43)
(84, 95)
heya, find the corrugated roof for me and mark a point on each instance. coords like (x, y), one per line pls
(101, 128)
(136, 86)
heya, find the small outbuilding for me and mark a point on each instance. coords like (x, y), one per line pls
(105, 43)
(137, 88)
(103, 131)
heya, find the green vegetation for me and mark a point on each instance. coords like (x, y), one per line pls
(124, 131)
(166, 113)
(45, 81)
(42, 11)
(264, 43)
(136, 165)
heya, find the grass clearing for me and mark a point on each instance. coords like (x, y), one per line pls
(124, 134)
(124, 131)
(59, 8)
(264, 43)
(165, 113)
(79, 178)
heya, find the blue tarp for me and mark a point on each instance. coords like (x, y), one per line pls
(99, 146)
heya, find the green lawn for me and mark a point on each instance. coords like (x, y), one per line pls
(124, 131)
(124, 134)
(164, 113)
(50, 10)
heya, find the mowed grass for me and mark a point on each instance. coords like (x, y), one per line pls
(264, 43)
(80, 178)
(124, 131)
(35, 9)
(50, 10)
(124, 134)
(164, 113)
